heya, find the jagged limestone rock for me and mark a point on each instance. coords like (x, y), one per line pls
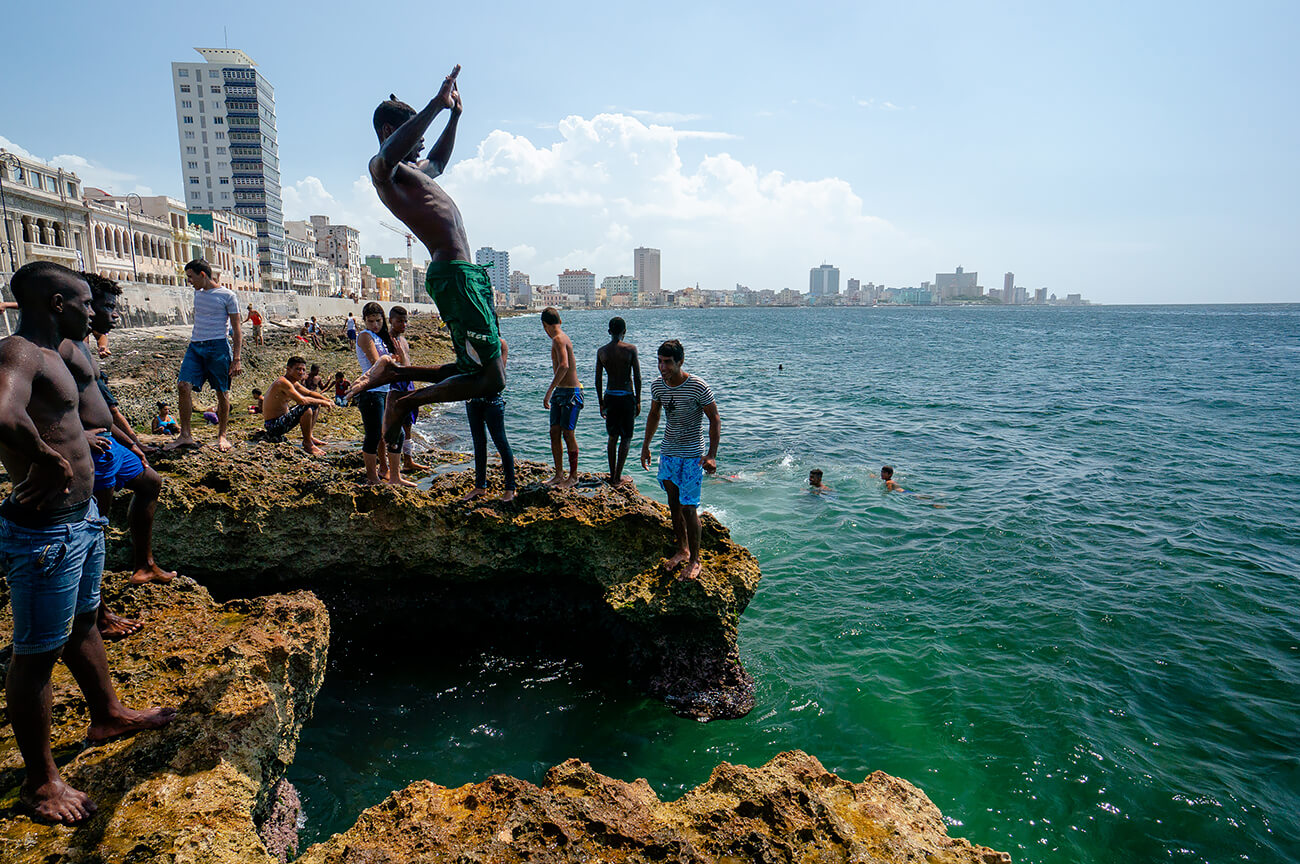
(790, 810)
(244, 676)
(578, 568)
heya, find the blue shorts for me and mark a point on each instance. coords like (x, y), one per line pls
(687, 474)
(566, 402)
(116, 468)
(207, 362)
(53, 575)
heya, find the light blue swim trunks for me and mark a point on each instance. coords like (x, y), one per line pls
(686, 473)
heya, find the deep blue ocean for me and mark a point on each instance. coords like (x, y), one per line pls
(1090, 652)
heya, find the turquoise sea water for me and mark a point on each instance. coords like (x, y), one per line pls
(1091, 653)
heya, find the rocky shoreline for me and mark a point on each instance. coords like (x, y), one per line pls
(304, 561)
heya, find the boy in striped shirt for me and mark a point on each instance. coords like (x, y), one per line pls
(685, 400)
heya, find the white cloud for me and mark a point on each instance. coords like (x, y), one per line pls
(609, 183)
(91, 173)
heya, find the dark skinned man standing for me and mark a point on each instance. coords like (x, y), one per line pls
(462, 290)
(52, 538)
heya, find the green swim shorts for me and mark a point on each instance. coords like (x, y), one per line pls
(463, 293)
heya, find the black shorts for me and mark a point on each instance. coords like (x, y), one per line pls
(276, 429)
(620, 414)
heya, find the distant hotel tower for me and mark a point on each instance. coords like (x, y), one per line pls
(645, 268)
(824, 281)
(225, 123)
(1009, 288)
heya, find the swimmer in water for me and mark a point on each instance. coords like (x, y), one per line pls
(887, 474)
(815, 483)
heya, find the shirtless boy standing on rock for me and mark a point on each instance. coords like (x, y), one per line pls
(52, 539)
(621, 403)
(461, 290)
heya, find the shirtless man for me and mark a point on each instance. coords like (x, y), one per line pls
(564, 399)
(287, 404)
(119, 462)
(462, 291)
(54, 596)
(621, 403)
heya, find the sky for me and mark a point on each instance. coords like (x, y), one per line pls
(1132, 152)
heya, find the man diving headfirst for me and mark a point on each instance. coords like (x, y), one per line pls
(462, 291)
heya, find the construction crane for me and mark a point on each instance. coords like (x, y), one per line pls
(410, 263)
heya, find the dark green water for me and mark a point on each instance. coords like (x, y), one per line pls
(1092, 653)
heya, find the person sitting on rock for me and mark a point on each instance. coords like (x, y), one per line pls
(279, 412)
(164, 423)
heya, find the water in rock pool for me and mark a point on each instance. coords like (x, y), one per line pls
(1090, 653)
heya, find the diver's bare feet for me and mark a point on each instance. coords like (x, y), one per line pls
(474, 493)
(224, 445)
(555, 481)
(113, 627)
(691, 573)
(151, 572)
(508, 495)
(56, 801)
(680, 557)
(314, 450)
(181, 442)
(383, 372)
(568, 482)
(409, 465)
(318, 441)
(128, 723)
(402, 481)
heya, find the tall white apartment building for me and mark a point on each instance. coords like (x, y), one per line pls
(497, 263)
(645, 267)
(225, 126)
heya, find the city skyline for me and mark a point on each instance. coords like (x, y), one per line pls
(1129, 180)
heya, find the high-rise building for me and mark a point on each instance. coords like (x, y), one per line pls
(497, 263)
(958, 284)
(341, 246)
(824, 280)
(1040, 296)
(645, 268)
(581, 282)
(521, 287)
(1009, 288)
(225, 124)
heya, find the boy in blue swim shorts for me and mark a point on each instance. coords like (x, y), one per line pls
(683, 461)
(563, 399)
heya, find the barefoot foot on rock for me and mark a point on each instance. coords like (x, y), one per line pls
(56, 801)
(113, 627)
(128, 723)
(679, 558)
(691, 573)
(508, 495)
(474, 493)
(151, 572)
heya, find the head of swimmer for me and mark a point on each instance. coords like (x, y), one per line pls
(55, 297)
(815, 477)
(391, 114)
(886, 473)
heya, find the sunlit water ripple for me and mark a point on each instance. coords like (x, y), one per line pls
(1090, 653)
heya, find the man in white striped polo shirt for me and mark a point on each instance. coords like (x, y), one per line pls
(209, 358)
(686, 400)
